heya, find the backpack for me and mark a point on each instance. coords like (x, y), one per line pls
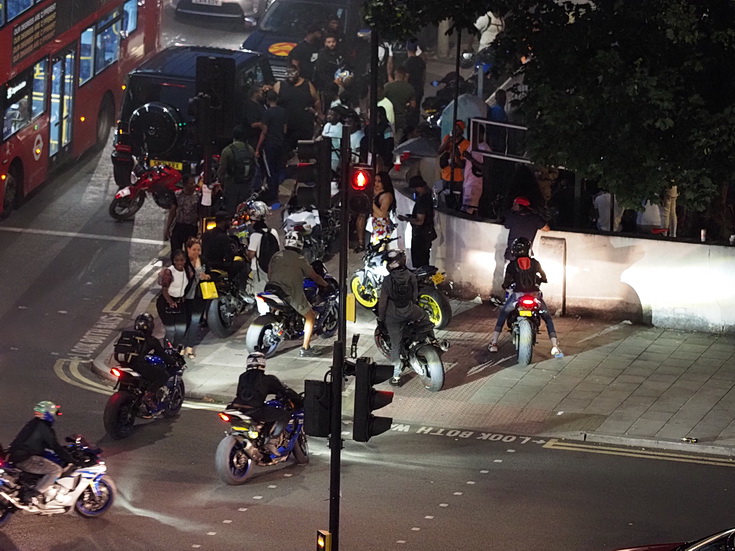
(242, 165)
(400, 293)
(268, 247)
(129, 346)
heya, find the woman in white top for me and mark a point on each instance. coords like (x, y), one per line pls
(170, 304)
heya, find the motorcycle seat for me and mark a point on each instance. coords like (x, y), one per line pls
(426, 271)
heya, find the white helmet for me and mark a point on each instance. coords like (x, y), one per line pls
(293, 240)
(256, 360)
(395, 259)
(258, 210)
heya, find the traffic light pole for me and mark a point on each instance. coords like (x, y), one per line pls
(339, 352)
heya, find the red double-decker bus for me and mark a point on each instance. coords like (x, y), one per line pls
(62, 67)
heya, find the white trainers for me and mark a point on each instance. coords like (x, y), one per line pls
(556, 352)
(492, 347)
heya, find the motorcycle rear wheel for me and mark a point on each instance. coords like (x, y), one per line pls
(260, 336)
(176, 400)
(119, 416)
(301, 449)
(233, 466)
(433, 380)
(90, 505)
(365, 296)
(436, 305)
(524, 345)
(221, 317)
(125, 208)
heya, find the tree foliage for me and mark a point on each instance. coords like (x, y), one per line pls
(638, 94)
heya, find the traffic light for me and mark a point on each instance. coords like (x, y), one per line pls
(361, 189)
(215, 78)
(367, 399)
(317, 407)
(323, 540)
(315, 168)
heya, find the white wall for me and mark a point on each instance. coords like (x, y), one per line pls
(665, 283)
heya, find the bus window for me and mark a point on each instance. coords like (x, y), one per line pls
(17, 113)
(16, 7)
(2, 13)
(86, 56)
(107, 49)
(130, 18)
(40, 71)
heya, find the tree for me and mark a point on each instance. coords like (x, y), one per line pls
(638, 95)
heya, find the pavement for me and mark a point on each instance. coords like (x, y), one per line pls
(617, 383)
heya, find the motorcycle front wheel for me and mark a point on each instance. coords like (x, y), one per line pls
(331, 322)
(124, 208)
(301, 449)
(119, 416)
(432, 368)
(436, 305)
(233, 465)
(95, 503)
(261, 336)
(221, 316)
(176, 400)
(6, 513)
(382, 341)
(366, 296)
(524, 344)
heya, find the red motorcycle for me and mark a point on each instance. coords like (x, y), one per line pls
(159, 181)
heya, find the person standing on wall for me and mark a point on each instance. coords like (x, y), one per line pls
(422, 222)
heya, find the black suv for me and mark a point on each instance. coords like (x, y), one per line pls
(156, 119)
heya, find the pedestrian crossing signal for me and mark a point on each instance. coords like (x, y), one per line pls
(361, 189)
(323, 540)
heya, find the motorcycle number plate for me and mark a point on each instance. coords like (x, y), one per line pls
(525, 313)
(437, 278)
(124, 192)
(172, 164)
(242, 429)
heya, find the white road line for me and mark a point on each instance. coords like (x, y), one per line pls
(133, 284)
(77, 235)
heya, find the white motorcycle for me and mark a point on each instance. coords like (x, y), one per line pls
(85, 488)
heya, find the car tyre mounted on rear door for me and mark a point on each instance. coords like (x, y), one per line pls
(155, 127)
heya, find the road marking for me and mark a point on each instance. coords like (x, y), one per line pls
(660, 455)
(78, 235)
(133, 289)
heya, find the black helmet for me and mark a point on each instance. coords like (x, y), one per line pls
(144, 323)
(520, 247)
(395, 259)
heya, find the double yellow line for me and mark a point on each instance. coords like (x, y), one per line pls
(660, 455)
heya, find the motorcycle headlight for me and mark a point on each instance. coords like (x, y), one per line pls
(252, 434)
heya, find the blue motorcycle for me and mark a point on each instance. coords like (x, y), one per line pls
(248, 443)
(279, 321)
(127, 403)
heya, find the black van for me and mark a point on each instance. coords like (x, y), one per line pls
(155, 116)
(286, 21)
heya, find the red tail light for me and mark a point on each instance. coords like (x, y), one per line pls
(224, 417)
(528, 302)
(116, 372)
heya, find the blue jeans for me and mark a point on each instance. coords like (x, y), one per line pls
(510, 304)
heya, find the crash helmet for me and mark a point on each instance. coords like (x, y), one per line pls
(395, 259)
(258, 210)
(256, 360)
(144, 323)
(173, 357)
(520, 247)
(293, 240)
(47, 411)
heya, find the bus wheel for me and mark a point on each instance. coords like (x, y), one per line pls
(104, 123)
(10, 196)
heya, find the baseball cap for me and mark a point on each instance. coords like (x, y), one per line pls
(522, 201)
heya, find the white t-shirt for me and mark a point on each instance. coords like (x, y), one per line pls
(254, 245)
(602, 204)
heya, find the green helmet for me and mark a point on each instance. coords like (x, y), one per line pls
(47, 411)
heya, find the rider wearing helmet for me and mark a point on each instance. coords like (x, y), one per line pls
(398, 305)
(259, 255)
(253, 387)
(287, 270)
(522, 221)
(27, 449)
(524, 276)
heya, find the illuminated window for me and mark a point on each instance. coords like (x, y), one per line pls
(16, 7)
(130, 18)
(16, 104)
(2, 13)
(40, 82)
(107, 49)
(86, 56)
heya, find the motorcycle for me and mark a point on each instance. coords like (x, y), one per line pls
(244, 444)
(231, 301)
(85, 487)
(158, 181)
(319, 232)
(524, 323)
(127, 403)
(418, 352)
(279, 321)
(365, 284)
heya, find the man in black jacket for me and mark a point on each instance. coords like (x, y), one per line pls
(218, 252)
(37, 436)
(253, 387)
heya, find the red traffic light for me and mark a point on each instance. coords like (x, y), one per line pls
(360, 179)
